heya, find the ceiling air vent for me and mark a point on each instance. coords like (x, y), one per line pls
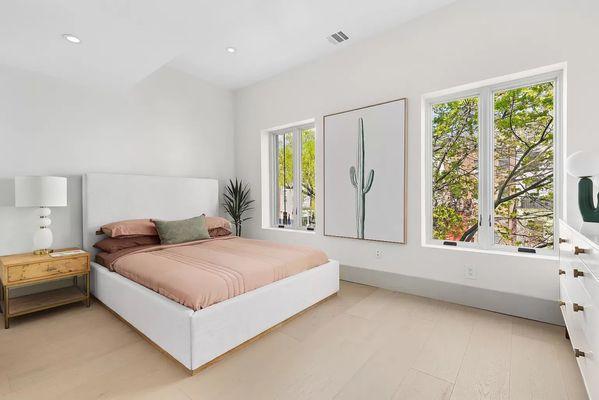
(338, 37)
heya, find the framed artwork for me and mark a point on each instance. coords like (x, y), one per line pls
(365, 172)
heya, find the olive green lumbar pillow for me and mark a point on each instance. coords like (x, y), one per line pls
(185, 230)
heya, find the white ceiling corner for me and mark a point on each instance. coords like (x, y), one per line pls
(124, 41)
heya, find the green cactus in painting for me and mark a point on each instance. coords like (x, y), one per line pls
(357, 180)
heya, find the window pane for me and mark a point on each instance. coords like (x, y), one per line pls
(308, 180)
(523, 166)
(284, 144)
(455, 170)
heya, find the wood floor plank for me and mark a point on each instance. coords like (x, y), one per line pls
(365, 343)
(371, 305)
(533, 372)
(420, 386)
(399, 343)
(443, 353)
(485, 371)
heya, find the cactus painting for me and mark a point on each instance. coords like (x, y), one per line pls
(361, 184)
(369, 145)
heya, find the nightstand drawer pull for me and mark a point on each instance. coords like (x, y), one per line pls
(578, 353)
(562, 240)
(562, 303)
(577, 273)
(561, 272)
(577, 307)
(579, 250)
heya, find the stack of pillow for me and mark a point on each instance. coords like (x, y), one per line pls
(146, 232)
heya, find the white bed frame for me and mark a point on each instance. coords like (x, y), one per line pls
(193, 338)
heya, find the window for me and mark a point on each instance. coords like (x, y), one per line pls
(293, 188)
(492, 166)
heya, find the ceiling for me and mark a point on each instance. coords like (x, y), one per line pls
(124, 41)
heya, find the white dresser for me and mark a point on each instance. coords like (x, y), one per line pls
(579, 296)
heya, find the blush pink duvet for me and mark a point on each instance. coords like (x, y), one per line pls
(203, 273)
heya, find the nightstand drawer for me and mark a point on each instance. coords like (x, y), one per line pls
(24, 273)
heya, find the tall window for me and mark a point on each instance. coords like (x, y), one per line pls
(293, 186)
(492, 169)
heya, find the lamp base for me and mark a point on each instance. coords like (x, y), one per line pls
(42, 252)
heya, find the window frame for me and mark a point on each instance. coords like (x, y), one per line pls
(486, 216)
(296, 131)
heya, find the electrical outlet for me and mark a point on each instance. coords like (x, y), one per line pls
(379, 254)
(470, 272)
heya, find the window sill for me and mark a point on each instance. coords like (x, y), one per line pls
(302, 231)
(492, 252)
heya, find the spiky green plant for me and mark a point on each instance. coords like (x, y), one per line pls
(237, 202)
(360, 182)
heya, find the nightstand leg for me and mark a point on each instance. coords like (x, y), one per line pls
(87, 289)
(5, 308)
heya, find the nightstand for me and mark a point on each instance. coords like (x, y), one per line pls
(30, 269)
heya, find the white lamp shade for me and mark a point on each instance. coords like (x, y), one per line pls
(40, 191)
(583, 164)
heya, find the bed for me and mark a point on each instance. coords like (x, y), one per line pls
(192, 338)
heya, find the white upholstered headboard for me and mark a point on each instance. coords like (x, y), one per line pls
(115, 197)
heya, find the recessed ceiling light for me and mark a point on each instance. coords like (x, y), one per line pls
(231, 50)
(71, 38)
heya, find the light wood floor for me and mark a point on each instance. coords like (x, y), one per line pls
(365, 343)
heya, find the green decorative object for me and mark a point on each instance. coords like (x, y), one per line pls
(182, 231)
(584, 165)
(237, 202)
(362, 186)
(586, 203)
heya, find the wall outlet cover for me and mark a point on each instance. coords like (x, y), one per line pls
(470, 272)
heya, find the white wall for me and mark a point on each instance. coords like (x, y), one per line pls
(168, 124)
(468, 41)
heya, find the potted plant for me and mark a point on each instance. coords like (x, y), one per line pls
(237, 202)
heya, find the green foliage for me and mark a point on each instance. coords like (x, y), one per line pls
(237, 202)
(308, 167)
(286, 161)
(285, 165)
(455, 168)
(524, 128)
(523, 132)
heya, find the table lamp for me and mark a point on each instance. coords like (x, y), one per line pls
(42, 192)
(583, 165)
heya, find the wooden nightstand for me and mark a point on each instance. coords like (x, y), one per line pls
(29, 269)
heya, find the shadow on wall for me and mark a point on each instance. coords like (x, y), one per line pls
(17, 225)
(7, 192)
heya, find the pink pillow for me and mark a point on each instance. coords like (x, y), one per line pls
(132, 227)
(217, 222)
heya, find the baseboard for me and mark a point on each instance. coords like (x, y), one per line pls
(505, 303)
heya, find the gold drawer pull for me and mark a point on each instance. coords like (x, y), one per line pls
(562, 303)
(562, 240)
(578, 353)
(578, 250)
(577, 307)
(577, 273)
(561, 272)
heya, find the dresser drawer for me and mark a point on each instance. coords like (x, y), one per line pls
(578, 247)
(576, 325)
(581, 308)
(29, 272)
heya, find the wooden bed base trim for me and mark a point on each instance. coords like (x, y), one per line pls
(218, 358)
